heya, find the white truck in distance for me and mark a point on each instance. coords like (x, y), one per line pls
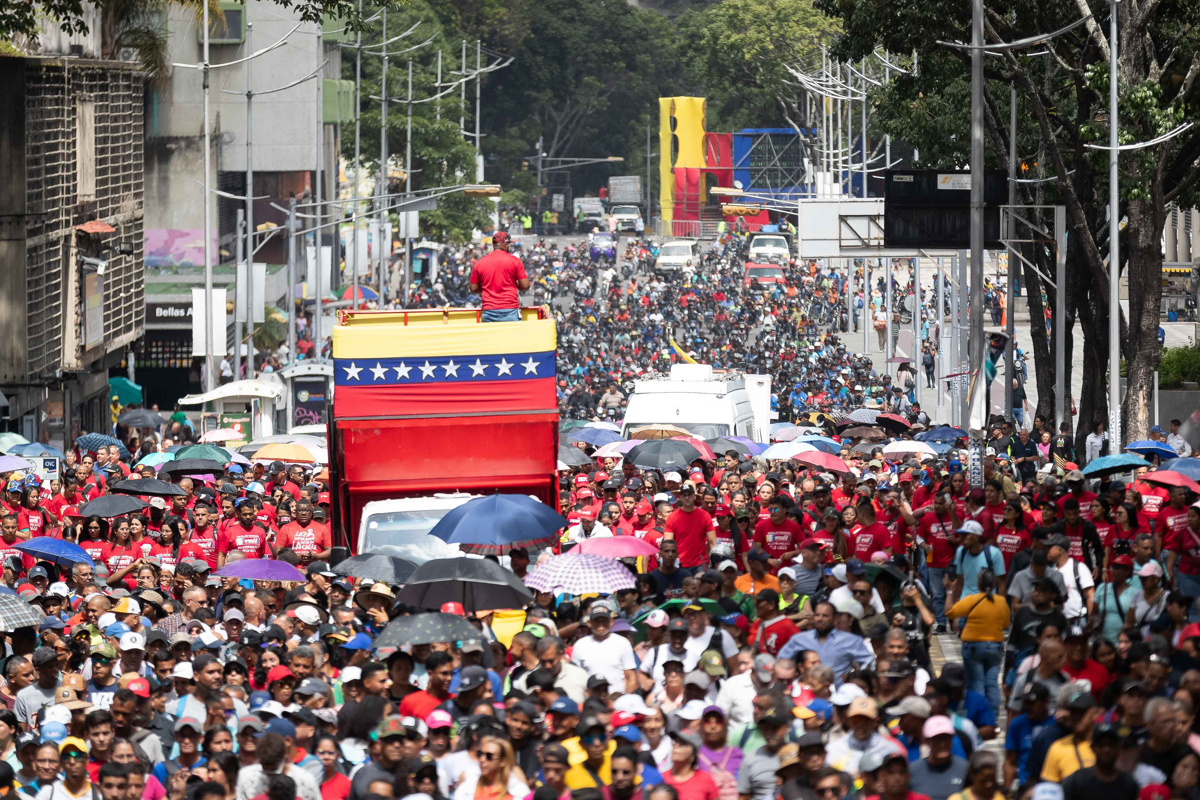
(705, 402)
(769, 247)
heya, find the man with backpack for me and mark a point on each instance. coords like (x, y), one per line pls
(972, 556)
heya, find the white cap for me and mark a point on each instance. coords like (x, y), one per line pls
(272, 707)
(133, 641)
(662, 497)
(59, 588)
(308, 615)
(971, 527)
(673, 476)
(183, 670)
(845, 694)
(355, 673)
(787, 572)
(627, 704)
(106, 619)
(57, 713)
(692, 710)
(839, 572)
(1048, 791)
(656, 618)
(726, 564)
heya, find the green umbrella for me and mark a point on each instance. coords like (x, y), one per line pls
(127, 391)
(208, 451)
(571, 424)
(677, 605)
(8, 440)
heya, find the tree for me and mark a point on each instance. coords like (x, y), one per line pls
(1064, 98)
(739, 52)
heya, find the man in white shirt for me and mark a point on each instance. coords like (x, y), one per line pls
(701, 635)
(587, 527)
(1076, 577)
(1176, 442)
(674, 649)
(603, 654)
(736, 697)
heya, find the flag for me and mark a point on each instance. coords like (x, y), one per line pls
(438, 364)
(679, 352)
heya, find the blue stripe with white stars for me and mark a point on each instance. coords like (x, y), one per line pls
(442, 369)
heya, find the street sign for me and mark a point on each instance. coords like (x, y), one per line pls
(928, 209)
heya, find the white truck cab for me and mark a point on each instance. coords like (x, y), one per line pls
(401, 527)
(702, 401)
(678, 256)
(769, 248)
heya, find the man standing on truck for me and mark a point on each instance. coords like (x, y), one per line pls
(499, 276)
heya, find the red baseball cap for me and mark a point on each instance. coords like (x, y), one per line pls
(587, 512)
(905, 478)
(584, 494)
(621, 718)
(643, 507)
(454, 608)
(724, 510)
(140, 687)
(323, 499)
(581, 480)
(601, 476)
(1122, 561)
(278, 673)
(71, 511)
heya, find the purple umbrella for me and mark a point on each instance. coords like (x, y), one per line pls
(261, 569)
(580, 573)
(13, 463)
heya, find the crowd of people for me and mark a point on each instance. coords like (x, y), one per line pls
(872, 627)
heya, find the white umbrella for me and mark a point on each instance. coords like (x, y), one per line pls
(604, 426)
(222, 435)
(785, 450)
(904, 447)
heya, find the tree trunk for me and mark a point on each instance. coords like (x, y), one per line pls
(1093, 399)
(1043, 358)
(109, 29)
(1145, 294)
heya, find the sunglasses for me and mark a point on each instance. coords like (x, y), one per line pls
(74, 755)
(828, 790)
(592, 738)
(484, 755)
(102, 660)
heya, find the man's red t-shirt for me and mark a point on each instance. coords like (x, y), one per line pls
(1186, 542)
(778, 539)
(691, 535)
(869, 539)
(497, 274)
(306, 540)
(420, 704)
(251, 542)
(940, 537)
(1092, 671)
(203, 541)
(1169, 522)
(770, 637)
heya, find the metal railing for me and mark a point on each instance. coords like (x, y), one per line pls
(687, 228)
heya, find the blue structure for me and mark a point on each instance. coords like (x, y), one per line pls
(772, 161)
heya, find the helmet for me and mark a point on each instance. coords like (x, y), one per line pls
(500, 237)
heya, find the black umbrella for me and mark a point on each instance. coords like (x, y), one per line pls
(573, 456)
(426, 629)
(140, 418)
(721, 445)
(191, 466)
(663, 454)
(477, 583)
(389, 569)
(112, 505)
(151, 487)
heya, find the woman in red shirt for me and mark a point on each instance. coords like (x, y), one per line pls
(334, 785)
(1011, 535)
(30, 516)
(94, 538)
(689, 783)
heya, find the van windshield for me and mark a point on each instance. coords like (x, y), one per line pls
(676, 250)
(763, 242)
(405, 534)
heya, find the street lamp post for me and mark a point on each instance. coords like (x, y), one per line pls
(1114, 246)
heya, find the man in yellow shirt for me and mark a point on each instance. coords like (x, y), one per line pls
(1074, 752)
(594, 770)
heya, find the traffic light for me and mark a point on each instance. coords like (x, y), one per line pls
(739, 210)
(524, 165)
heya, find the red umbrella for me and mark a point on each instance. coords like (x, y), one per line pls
(893, 421)
(617, 547)
(705, 449)
(1166, 477)
(820, 460)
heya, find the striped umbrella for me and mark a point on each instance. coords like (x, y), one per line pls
(580, 573)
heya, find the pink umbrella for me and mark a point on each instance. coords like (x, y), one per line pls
(705, 449)
(222, 435)
(615, 449)
(617, 547)
(820, 460)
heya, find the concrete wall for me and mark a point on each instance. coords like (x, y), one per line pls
(13, 328)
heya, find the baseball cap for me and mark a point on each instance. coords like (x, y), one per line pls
(971, 527)
(764, 665)
(937, 726)
(132, 641)
(863, 707)
(916, 706)
(565, 706)
(439, 718)
(1150, 569)
(656, 618)
(472, 677)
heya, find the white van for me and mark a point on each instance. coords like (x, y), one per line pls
(695, 398)
(766, 248)
(678, 255)
(401, 527)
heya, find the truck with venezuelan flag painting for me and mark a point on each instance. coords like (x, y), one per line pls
(432, 407)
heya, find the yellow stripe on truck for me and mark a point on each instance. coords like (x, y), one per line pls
(456, 333)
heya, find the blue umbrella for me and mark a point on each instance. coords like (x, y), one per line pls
(1108, 465)
(497, 523)
(1149, 447)
(36, 450)
(1184, 466)
(942, 433)
(59, 552)
(594, 436)
(822, 443)
(941, 448)
(93, 442)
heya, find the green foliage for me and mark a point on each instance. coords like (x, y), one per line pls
(22, 17)
(739, 52)
(1178, 364)
(272, 332)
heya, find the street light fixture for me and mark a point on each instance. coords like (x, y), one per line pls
(726, 191)
(481, 190)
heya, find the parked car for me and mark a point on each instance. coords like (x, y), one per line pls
(763, 276)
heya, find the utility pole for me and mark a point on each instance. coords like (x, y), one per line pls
(438, 105)
(1010, 290)
(648, 221)
(239, 254)
(357, 145)
(385, 241)
(408, 187)
(319, 209)
(976, 344)
(537, 222)
(291, 268)
(249, 250)
(1114, 244)
(210, 379)
(865, 194)
(478, 139)
(462, 94)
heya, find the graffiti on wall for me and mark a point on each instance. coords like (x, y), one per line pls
(174, 247)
